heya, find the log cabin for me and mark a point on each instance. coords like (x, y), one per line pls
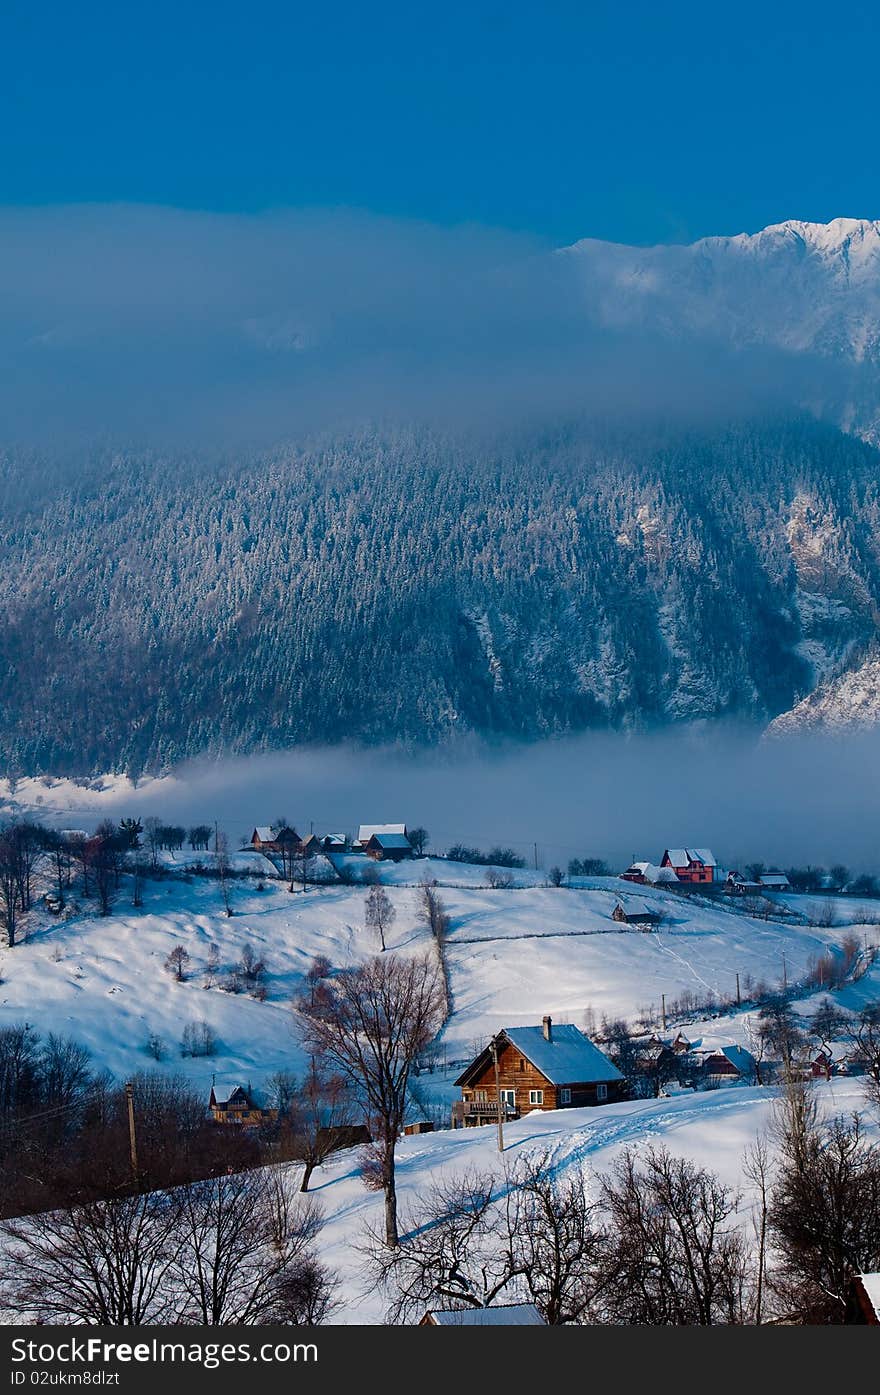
(542, 1067)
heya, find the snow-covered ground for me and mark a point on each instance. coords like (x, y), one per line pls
(712, 1128)
(514, 956)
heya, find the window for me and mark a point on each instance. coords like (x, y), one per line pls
(601, 1092)
(565, 1095)
(536, 1096)
(522, 1062)
(508, 1097)
(481, 1094)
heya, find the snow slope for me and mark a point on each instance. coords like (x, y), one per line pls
(514, 956)
(712, 1128)
(848, 702)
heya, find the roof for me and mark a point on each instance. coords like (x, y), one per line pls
(634, 907)
(391, 840)
(568, 1057)
(680, 857)
(774, 879)
(335, 838)
(871, 1284)
(653, 873)
(265, 833)
(503, 1314)
(223, 1094)
(369, 830)
(738, 1056)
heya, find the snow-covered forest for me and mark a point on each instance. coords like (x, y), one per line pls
(406, 586)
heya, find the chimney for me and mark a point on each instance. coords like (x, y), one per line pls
(548, 1028)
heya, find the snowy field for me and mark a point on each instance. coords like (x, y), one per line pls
(514, 955)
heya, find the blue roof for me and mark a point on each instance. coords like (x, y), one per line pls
(568, 1058)
(505, 1314)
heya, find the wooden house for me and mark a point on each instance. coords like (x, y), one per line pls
(542, 1067)
(693, 866)
(863, 1305)
(237, 1106)
(496, 1315)
(370, 830)
(724, 1065)
(389, 847)
(648, 874)
(774, 881)
(738, 885)
(635, 912)
(266, 839)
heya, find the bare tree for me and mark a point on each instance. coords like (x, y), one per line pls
(320, 1119)
(178, 962)
(221, 855)
(758, 1168)
(372, 1025)
(242, 1249)
(677, 1256)
(824, 1213)
(106, 1262)
(418, 838)
(379, 914)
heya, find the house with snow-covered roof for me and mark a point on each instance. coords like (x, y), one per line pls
(373, 830)
(691, 865)
(630, 910)
(495, 1315)
(389, 847)
(268, 839)
(546, 1067)
(649, 874)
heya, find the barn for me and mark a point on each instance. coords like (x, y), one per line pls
(542, 1067)
(632, 911)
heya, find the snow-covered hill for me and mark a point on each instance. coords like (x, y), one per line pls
(514, 956)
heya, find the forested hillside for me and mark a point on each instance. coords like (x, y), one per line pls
(407, 587)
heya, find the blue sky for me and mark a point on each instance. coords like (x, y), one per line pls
(636, 122)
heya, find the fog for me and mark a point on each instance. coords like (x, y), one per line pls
(206, 330)
(791, 801)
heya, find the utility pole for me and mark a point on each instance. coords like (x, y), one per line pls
(738, 997)
(663, 1009)
(536, 857)
(493, 1047)
(132, 1137)
(784, 973)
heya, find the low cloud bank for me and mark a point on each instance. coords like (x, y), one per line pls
(790, 802)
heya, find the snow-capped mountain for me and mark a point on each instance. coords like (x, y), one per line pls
(807, 287)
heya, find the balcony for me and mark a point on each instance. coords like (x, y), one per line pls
(481, 1112)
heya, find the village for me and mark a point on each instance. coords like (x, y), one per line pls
(568, 996)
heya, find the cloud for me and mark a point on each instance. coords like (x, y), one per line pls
(204, 328)
(810, 799)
